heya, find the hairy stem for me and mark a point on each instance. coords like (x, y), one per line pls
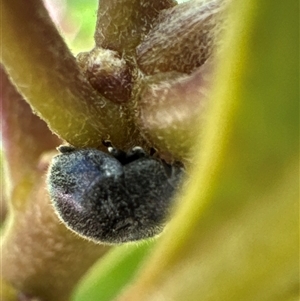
(25, 136)
(122, 23)
(46, 73)
(39, 256)
(183, 37)
(171, 107)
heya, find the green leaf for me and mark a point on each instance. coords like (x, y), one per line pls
(109, 276)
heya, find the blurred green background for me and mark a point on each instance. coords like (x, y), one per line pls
(76, 21)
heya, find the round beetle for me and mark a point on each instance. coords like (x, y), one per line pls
(112, 198)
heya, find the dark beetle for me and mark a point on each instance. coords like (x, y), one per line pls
(112, 198)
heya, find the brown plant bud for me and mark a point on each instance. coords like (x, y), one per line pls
(108, 73)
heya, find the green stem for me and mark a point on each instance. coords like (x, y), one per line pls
(39, 256)
(25, 136)
(46, 73)
(169, 107)
(183, 37)
(122, 23)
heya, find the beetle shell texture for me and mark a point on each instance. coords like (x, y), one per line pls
(112, 198)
